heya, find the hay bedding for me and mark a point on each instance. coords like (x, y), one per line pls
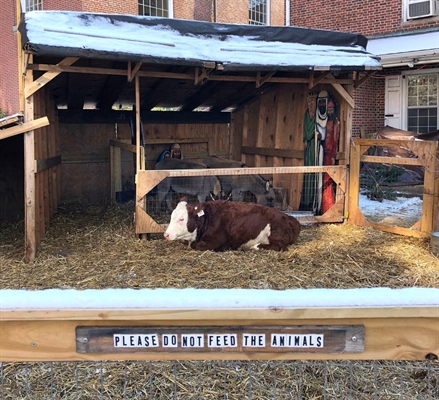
(94, 247)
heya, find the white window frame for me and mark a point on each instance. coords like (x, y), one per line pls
(267, 16)
(404, 111)
(170, 8)
(405, 10)
(31, 5)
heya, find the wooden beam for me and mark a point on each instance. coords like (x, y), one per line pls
(111, 91)
(188, 76)
(391, 160)
(313, 81)
(41, 165)
(359, 81)
(47, 77)
(148, 117)
(398, 230)
(206, 91)
(29, 177)
(76, 90)
(25, 127)
(122, 145)
(13, 121)
(261, 80)
(200, 78)
(391, 333)
(132, 72)
(344, 93)
(264, 151)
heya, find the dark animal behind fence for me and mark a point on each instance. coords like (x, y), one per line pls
(203, 187)
(235, 186)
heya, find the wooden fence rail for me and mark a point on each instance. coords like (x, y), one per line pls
(392, 330)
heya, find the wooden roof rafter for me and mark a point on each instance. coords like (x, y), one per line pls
(132, 72)
(359, 81)
(47, 77)
(260, 80)
(61, 67)
(314, 80)
(203, 76)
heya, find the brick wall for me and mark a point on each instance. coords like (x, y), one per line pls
(9, 96)
(277, 12)
(368, 113)
(98, 6)
(357, 16)
(234, 12)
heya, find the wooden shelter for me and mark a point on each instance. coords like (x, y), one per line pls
(235, 91)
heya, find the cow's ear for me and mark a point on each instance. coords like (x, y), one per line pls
(184, 198)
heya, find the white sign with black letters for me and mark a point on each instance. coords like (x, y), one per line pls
(260, 339)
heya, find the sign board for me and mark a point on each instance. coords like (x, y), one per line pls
(242, 339)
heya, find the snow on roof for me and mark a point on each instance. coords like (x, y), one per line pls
(181, 42)
(402, 48)
(216, 298)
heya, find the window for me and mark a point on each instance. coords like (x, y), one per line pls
(416, 9)
(258, 12)
(422, 102)
(31, 5)
(155, 8)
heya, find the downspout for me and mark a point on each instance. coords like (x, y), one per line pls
(214, 10)
(287, 12)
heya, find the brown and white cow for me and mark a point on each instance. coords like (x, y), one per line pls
(232, 225)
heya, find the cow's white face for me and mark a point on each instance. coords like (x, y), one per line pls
(177, 229)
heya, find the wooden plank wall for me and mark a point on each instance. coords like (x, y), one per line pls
(273, 125)
(47, 160)
(85, 152)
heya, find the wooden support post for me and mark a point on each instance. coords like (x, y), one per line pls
(354, 214)
(115, 171)
(29, 178)
(428, 201)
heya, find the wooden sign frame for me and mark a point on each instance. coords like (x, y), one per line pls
(242, 339)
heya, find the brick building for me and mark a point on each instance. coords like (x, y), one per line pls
(405, 33)
(226, 11)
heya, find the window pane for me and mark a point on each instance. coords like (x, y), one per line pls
(422, 120)
(413, 101)
(257, 11)
(32, 5)
(154, 8)
(422, 91)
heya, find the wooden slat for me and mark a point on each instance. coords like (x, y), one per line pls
(115, 171)
(25, 127)
(42, 165)
(32, 87)
(391, 333)
(330, 169)
(391, 160)
(123, 145)
(264, 151)
(344, 94)
(16, 120)
(398, 230)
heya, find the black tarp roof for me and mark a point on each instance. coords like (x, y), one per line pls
(182, 42)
